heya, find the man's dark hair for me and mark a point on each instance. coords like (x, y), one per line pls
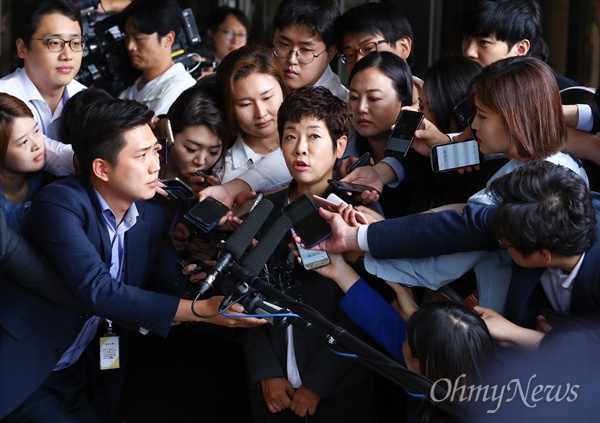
(320, 103)
(27, 15)
(370, 18)
(508, 20)
(317, 15)
(100, 131)
(150, 16)
(545, 206)
(73, 109)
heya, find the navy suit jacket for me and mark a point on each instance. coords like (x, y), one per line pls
(448, 232)
(65, 221)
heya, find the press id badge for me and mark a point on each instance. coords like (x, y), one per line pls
(109, 350)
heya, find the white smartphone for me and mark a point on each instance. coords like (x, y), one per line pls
(454, 155)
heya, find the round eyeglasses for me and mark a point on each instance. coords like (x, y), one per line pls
(350, 56)
(57, 45)
(304, 55)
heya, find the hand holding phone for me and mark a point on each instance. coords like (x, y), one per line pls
(364, 160)
(404, 133)
(241, 210)
(206, 214)
(176, 189)
(350, 187)
(306, 221)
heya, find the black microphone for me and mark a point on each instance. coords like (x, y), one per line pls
(252, 264)
(258, 256)
(238, 242)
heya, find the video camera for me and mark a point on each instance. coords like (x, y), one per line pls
(105, 61)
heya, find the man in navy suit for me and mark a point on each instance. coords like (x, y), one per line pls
(108, 246)
(547, 219)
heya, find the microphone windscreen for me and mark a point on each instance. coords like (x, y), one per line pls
(259, 255)
(239, 240)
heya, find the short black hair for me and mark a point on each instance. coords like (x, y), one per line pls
(508, 20)
(150, 16)
(27, 15)
(320, 103)
(100, 131)
(544, 206)
(75, 106)
(369, 18)
(318, 15)
(394, 67)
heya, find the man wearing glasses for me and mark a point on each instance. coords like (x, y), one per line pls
(151, 27)
(50, 43)
(373, 27)
(304, 44)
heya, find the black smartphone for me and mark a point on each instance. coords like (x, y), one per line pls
(404, 133)
(207, 180)
(454, 155)
(207, 213)
(243, 209)
(464, 112)
(364, 160)
(350, 187)
(306, 221)
(178, 190)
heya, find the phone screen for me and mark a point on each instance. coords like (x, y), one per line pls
(404, 133)
(306, 221)
(454, 155)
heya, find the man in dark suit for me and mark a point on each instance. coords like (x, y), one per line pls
(547, 220)
(108, 246)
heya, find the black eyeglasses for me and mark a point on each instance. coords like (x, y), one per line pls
(350, 56)
(304, 55)
(57, 45)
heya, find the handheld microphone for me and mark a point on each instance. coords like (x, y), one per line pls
(238, 242)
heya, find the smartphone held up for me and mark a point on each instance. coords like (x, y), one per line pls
(403, 134)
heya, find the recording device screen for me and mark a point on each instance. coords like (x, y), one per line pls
(404, 133)
(306, 221)
(454, 155)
